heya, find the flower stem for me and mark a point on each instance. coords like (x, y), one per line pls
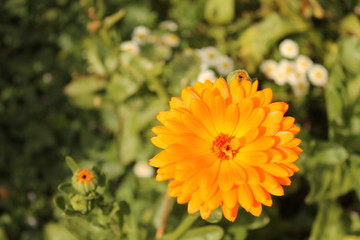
(185, 225)
(166, 211)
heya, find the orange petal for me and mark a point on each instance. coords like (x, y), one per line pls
(252, 158)
(225, 179)
(245, 197)
(230, 213)
(205, 212)
(208, 175)
(261, 144)
(256, 209)
(222, 86)
(195, 126)
(284, 137)
(261, 195)
(202, 112)
(214, 201)
(231, 118)
(183, 198)
(277, 170)
(256, 117)
(158, 143)
(229, 198)
(292, 143)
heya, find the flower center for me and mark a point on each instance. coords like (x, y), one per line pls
(84, 175)
(225, 147)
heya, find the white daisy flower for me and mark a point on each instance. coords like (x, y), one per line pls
(289, 48)
(301, 88)
(303, 63)
(209, 55)
(140, 34)
(168, 26)
(171, 39)
(130, 47)
(143, 170)
(225, 65)
(296, 77)
(280, 77)
(268, 67)
(318, 75)
(206, 75)
(287, 67)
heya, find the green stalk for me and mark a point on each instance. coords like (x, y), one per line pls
(185, 225)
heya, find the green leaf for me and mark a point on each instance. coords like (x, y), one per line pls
(72, 164)
(350, 54)
(355, 172)
(56, 231)
(330, 223)
(237, 232)
(84, 229)
(204, 233)
(59, 202)
(219, 11)
(256, 41)
(67, 188)
(328, 182)
(251, 222)
(329, 153)
(351, 24)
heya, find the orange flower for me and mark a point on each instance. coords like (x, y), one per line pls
(84, 176)
(226, 144)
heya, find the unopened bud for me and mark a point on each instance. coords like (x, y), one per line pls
(84, 181)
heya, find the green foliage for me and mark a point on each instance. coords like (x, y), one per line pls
(70, 89)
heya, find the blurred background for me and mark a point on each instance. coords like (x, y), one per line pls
(87, 78)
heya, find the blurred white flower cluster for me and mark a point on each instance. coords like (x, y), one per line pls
(211, 61)
(162, 39)
(296, 69)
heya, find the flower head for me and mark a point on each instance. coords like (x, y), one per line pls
(143, 170)
(318, 75)
(168, 25)
(84, 180)
(288, 48)
(300, 88)
(140, 34)
(206, 75)
(225, 65)
(268, 67)
(171, 39)
(209, 55)
(303, 63)
(130, 47)
(226, 145)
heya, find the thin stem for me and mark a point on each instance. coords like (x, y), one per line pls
(161, 229)
(185, 225)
